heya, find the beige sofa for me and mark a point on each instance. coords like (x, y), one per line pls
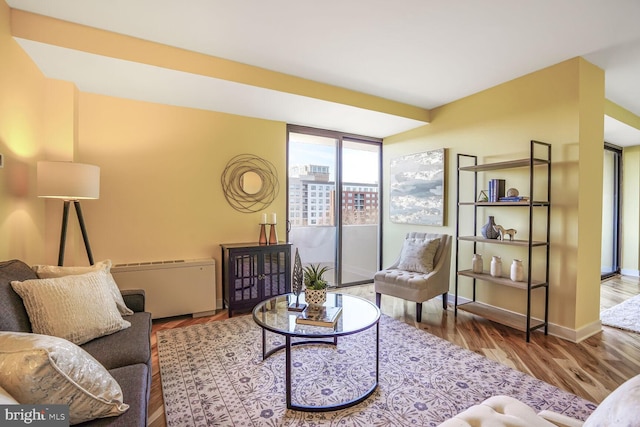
(620, 409)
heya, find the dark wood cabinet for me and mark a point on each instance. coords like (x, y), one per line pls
(252, 273)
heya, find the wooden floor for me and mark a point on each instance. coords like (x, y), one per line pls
(590, 369)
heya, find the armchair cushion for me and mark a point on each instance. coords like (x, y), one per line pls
(418, 255)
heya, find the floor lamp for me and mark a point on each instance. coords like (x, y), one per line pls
(70, 182)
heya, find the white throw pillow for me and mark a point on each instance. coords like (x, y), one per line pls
(77, 308)
(50, 271)
(417, 255)
(39, 369)
(6, 398)
(621, 408)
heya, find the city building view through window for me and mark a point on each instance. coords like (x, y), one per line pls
(334, 204)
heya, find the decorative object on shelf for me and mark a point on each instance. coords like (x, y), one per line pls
(496, 266)
(511, 232)
(273, 235)
(496, 189)
(513, 199)
(315, 285)
(477, 265)
(297, 278)
(513, 192)
(417, 188)
(249, 183)
(517, 271)
(487, 230)
(482, 197)
(263, 233)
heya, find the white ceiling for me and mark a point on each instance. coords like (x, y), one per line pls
(421, 52)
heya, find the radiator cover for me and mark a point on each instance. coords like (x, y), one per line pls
(172, 288)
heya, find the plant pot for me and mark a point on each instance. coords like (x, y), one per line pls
(315, 297)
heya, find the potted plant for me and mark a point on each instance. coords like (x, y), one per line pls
(315, 285)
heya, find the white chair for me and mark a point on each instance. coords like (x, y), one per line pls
(417, 283)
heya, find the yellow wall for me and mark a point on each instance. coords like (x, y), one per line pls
(161, 197)
(630, 262)
(550, 105)
(22, 92)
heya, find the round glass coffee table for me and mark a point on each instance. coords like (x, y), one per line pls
(357, 315)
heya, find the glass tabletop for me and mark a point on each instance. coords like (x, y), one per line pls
(357, 315)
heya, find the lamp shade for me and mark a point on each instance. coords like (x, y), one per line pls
(68, 180)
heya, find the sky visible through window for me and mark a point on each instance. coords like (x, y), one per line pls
(359, 165)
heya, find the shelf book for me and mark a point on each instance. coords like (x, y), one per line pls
(322, 316)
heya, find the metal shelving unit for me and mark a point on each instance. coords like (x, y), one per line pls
(534, 163)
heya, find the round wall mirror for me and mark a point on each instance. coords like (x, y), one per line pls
(251, 182)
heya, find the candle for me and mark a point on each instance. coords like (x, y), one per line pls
(273, 218)
(264, 219)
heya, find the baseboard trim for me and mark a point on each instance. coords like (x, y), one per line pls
(573, 335)
(629, 272)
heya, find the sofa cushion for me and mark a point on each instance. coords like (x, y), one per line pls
(418, 255)
(135, 390)
(13, 315)
(127, 347)
(620, 408)
(6, 398)
(40, 369)
(78, 308)
(51, 271)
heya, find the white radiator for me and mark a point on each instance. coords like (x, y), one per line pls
(172, 288)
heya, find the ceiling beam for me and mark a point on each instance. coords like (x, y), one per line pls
(69, 35)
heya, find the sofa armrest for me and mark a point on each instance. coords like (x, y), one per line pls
(134, 299)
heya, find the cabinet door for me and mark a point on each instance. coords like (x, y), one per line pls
(245, 278)
(276, 273)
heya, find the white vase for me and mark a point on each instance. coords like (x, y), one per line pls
(496, 266)
(477, 266)
(517, 271)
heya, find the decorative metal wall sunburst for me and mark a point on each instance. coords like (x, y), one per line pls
(232, 179)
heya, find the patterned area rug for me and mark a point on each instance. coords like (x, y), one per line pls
(625, 315)
(213, 375)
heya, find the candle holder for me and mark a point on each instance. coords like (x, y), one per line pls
(273, 235)
(263, 235)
